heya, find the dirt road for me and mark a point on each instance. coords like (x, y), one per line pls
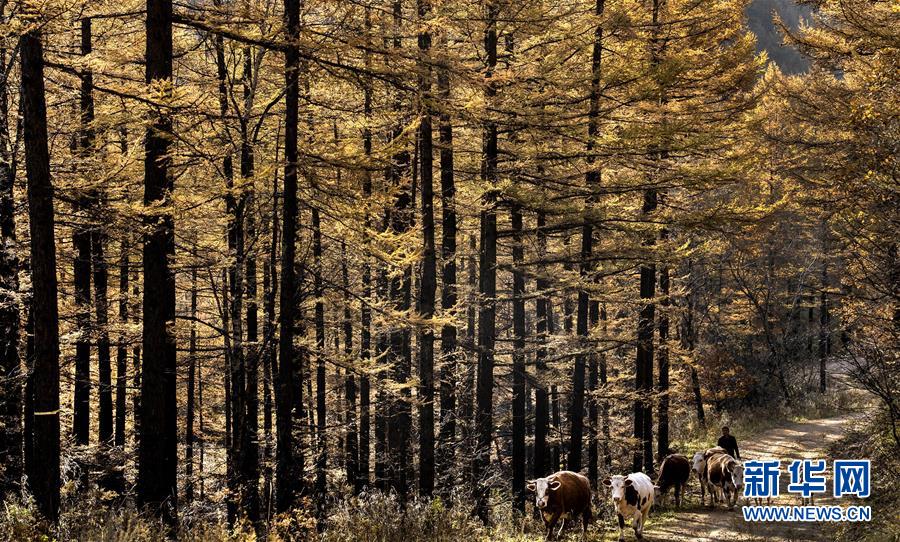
(702, 524)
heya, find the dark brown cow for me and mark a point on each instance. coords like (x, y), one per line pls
(673, 473)
(564, 494)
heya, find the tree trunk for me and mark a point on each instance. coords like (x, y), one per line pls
(449, 355)
(643, 405)
(662, 432)
(542, 397)
(121, 347)
(824, 317)
(192, 378)
(321, 391)
(365, 313)
(518, 386)
(399, 426)
(250, 433)
(351, 449)
(45, 479)
(428, 285)
(157, 461)
(487, 278)
(101, 307)
(81, 274)
(286, 473)
(12, 377)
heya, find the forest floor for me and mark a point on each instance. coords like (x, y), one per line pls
(807, 439)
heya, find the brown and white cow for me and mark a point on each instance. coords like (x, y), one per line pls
(565, 495)
(698, 465)
(673, 473)
(632, 497)
(726, 476)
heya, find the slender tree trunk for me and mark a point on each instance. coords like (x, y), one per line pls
(449, 355)
(12, 377)
(101, 307)
(45, 477)
(286, 473)
(250, 433)
(466, 406)
(487, 279)
(400, 411)
(541, 395)
(593, 412)
(81, 274)
(518, 386)
(192, 378)
(321, 391)
(662, 431)
(603, 369)
(592, 180)
(824, 317)
(157, 462)
(351, 449)
(428, 285)
(121, 347)
(136, 361)
(28, 406)
(365, 313)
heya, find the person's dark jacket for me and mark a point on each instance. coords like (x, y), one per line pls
(730, 444)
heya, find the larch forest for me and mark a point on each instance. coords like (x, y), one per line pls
(367, 269)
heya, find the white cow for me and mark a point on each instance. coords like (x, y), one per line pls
(632, 497)
(698, 465)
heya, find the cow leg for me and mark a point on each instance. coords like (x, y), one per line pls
(551, 524)
(677, 495)
(585, 520)
(621, 527)
(638, 524)
(702, 493)
(562, 527)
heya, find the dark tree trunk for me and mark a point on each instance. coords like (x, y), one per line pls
(662, 431)
(45, 477)
(466, 406)
(428, 285)
(643, 405)
(365, 314)
(449, 355)
(321, 391)
(192, 378)
(250, 433)
(286, 473)
(270, 287)
(518, 386)
(487, 279)
(399, 423)
(28, 401)
(688, 335)
(122, 347)
(82, 237)
(81, 274)
(593, 413)
(603, 369)
(101, 307)
(592, 180)
(541, 395)
(824, 317)
(136, 361)
(351, 449)
(576, 407)
(157, 461)
(12, 377)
